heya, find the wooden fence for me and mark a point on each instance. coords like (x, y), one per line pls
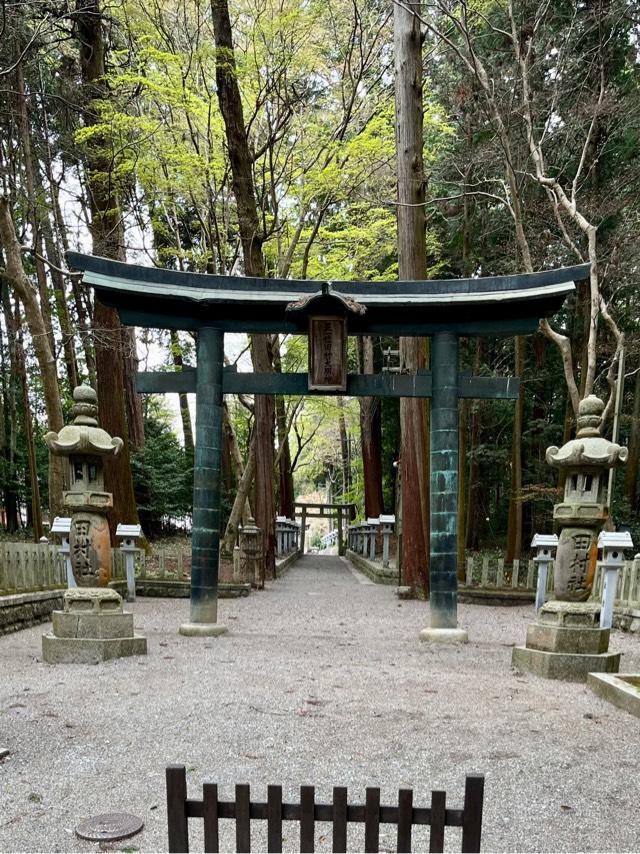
(307, 812)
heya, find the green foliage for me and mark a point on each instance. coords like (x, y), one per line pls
(162, 473)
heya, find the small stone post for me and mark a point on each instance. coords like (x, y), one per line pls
(128, 535)
(251, 549)
(62, 526)
(280, 535)
(387, 523)
(373, 533)
(612, 544)
(546, 545)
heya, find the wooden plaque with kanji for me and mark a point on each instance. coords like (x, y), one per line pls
(328, 353)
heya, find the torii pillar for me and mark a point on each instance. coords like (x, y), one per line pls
(205, 543)
(443, 603)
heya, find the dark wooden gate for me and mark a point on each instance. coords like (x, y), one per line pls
(307, 812)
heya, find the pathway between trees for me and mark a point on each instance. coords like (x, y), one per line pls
(321, 680)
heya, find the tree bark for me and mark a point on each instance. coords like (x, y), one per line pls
(286, 492)
(412, 264)
(185, 412)
(633, 463)
(472, 533)
(344, 447)
(36, 508)
(241, 499)
(371, 436)
(112, 343)
(8, 426)
(514, 529)
(251, 239)
(19, 281)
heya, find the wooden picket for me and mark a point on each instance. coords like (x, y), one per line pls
(308, 811)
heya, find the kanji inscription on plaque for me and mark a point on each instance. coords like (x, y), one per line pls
(328, 353)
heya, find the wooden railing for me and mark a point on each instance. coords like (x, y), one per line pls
(307, 812)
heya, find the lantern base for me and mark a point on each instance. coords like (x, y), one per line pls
(572, 667)
(91, 628)
(202, 630)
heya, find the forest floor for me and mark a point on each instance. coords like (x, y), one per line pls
(320, 680)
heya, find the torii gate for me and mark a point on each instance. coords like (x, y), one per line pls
(327, 312)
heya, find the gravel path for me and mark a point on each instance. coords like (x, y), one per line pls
(322, 680)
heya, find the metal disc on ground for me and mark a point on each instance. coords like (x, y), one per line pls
(109, 827)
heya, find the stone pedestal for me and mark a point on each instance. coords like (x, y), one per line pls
(92, 627)
(566, 642)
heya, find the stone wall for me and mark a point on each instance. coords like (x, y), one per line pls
(627, 618)
(21, 610)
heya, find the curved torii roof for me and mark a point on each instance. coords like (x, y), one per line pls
(170, 299)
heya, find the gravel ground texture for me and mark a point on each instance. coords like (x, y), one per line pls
(320, 680)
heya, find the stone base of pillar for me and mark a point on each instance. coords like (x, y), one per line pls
(444, 635)
(202, 630)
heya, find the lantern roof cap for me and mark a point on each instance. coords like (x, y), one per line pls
(83, 436)
(589, 448)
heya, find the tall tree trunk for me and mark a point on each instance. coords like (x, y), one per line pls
(18, 280)
(235, 457)
(251, 239)
(36, 508)
(185, 413)
(81, 310)
(462, 488)
(514, 530)
(9, 426)
(34, 207)
(112, 342)
(633, 463)
(286, 492)
(344, 447)
(241, 499)
(371, 434)
(412, 264)
(472, 533)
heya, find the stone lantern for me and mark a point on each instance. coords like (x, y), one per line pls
(92, 627)
(586, 460)
(569, 638)
(86, 445)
